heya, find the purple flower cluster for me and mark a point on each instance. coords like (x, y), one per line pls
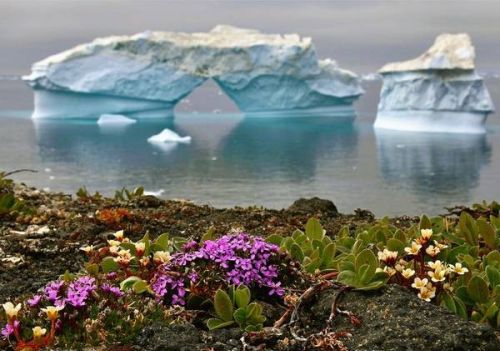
(77, 292)
(239, 259)
(114, 290)
(166, 285)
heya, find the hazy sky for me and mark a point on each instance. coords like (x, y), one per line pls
(360, 35)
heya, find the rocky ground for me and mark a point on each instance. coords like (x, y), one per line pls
(38, 247)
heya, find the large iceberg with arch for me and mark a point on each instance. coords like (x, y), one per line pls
(438, 92)
(147, 74)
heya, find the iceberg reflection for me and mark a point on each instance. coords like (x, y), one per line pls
(430, 164)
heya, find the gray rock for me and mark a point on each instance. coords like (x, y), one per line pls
(313, 205)
(396, 319)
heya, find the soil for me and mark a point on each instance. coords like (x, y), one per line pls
(38, 247)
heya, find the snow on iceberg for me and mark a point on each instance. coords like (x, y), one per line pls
(436, 92)
(115, 120)
(169, 136)
(147, 74)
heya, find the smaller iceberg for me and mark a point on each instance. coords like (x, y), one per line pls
(115, 120)
(169, 136)
(437, 92)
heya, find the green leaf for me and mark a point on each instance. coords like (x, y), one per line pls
(477, 289)
(468, 228)
(448, 301)
(242, 296)
(216, 323)
(128, 246)
(129, 282)
(108, 264)
(140, 286)
(223, 305)
(312, 266)
(314, 230)
(493, 258)
(493, 275)
(240, 316)
(460, 307)
(296, 252)
(178, 242)
(425, 223)
(395, 245)
(209, 235)
(275, 239)
(328, 254)
(162, 241)
(488, 233)
(366, 257)
(92, 268)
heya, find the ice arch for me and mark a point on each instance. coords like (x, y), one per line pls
(147, 74)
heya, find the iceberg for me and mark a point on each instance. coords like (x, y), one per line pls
(115, 120)
(437, 92)
(147, 74)
(169, 136)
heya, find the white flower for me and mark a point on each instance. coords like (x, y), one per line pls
(87, 249)
(389, 270)
(124, 257)
(139, 248)
(438, 275)
(426, 234)
(408, 273)
(52, 312)
(387, 256)
(458, 268)
(427, 292)
(144, 261)
(114, 249)
(419, 283)
(161, 257)
(414, 249)
(119, 235)
(436, 265)
(441, 246)
(113, 243)
(38, 332)
(432, 250)
(401, 265)
(11, 310)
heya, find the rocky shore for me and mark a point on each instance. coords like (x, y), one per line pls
(38, 247)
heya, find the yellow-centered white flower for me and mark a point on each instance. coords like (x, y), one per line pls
(161, 257)
(38, 332)
(426, 234)
(432, 250)
(458, 268)
(119, 235)
(427, 292)
(408, 273)
(419, 283)
(441, 246)
(52, 312)
(388, 256)
(438, 275)
(11, 310)
(139, 248)
(414, 249)
(113, 243)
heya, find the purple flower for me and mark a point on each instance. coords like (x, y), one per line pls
(80, 290)
(34, 301)
(112, 290)
(9, 329)
(239, 259)
(52, 290)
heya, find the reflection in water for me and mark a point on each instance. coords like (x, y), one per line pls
(287, 148)
(432, 164)
(226, 150)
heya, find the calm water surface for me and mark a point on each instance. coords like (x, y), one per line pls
(234, 160)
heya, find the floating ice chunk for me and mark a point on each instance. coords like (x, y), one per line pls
(169, 136)
(155, 193)
(115, 120)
